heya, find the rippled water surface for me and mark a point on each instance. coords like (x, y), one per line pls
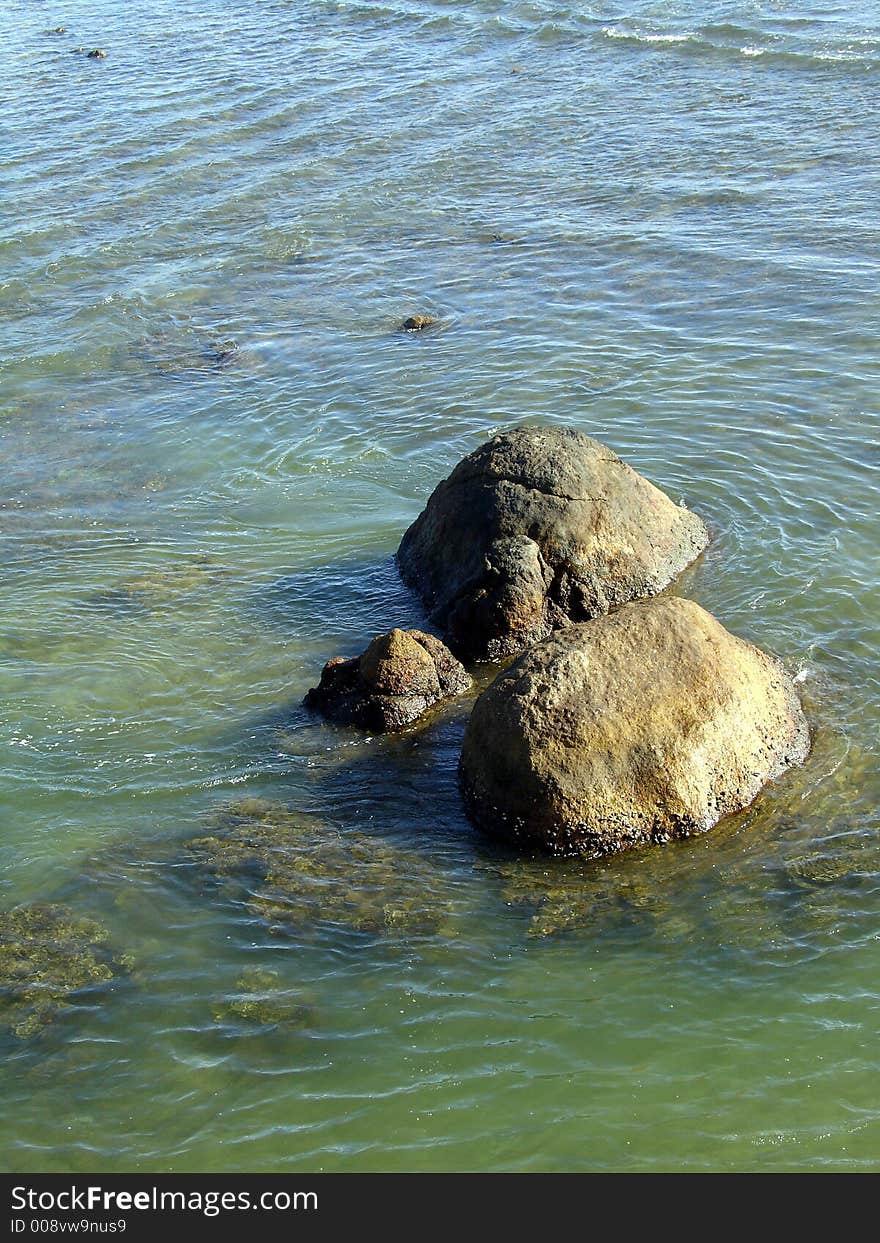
(655, 222)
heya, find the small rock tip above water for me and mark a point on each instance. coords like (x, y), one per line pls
(391, 684)
(418, 323)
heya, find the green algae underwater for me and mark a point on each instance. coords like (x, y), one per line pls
(235, 937)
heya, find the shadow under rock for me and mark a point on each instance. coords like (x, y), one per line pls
(405, 785)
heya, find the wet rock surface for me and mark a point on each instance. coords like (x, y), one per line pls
(48, 955)
(641, 727)
(300, 872)
(396, 680)
(418, 323)
(538, 528)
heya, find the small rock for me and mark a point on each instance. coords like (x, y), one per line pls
(417, 323)
(399, 676)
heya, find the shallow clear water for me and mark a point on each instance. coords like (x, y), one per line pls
(656, 223)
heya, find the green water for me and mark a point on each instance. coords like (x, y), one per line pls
(658, 226)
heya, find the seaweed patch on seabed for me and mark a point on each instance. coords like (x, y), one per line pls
(260, 1000)
(49, 956)
(787, 871)
(299, 872)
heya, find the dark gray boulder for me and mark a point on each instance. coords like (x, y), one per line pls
(538, 528)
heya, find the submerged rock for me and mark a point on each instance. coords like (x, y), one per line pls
(540, 527)
(843, 862)
(158, 587)
(184, 352)
(418, 323)
(48, 954)
(399, 677)
(646, 725)
(301, 872)
(261, 1000)
(569, 896)
(220, 353)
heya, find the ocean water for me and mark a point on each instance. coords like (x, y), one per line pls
(655, 222)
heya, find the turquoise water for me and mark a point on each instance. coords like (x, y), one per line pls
(655, 223)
